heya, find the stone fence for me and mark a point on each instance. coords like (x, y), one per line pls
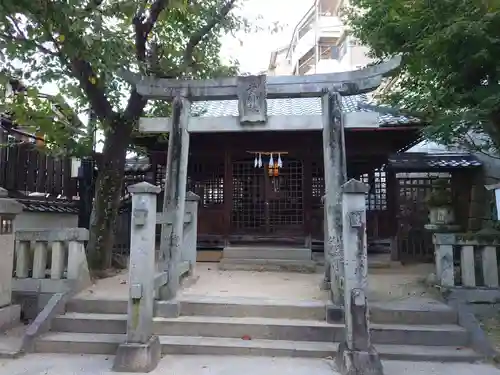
(48, 262)
(37, 263)
(44, 257)
(466, 262)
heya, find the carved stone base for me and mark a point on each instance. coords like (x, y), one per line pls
(133, 357)
(352, 362)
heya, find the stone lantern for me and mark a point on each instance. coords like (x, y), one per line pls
(9, 208)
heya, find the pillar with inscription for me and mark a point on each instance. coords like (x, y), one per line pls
(356, 355)
(175, 196)
(141, 351)
(334, 176)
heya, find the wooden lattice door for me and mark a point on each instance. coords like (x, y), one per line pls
(267, 205)
(413, 240)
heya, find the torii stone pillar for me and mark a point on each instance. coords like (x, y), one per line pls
(356, 355)
(175, 196)
(334, 166)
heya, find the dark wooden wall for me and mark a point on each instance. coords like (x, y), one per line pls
(213, 157)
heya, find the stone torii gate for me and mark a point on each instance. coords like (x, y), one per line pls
(252, 93)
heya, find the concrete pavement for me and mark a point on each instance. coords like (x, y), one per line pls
(60, 364)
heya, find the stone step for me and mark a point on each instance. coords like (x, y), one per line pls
(97, 306)
(90, 323)
(424, 312)
(240, 307)
(398, 312)
(265, 328)
(270, 265)
(85, 343)
(266, 252)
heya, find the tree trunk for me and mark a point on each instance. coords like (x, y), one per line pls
(108, 194)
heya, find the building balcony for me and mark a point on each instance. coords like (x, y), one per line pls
(329, 66)
(327, 28)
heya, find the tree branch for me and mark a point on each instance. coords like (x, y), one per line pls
(198, 36)
(82, 70)
(21, 39)
(143, 27)
(93, 4)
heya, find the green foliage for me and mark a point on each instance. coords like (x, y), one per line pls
(88, 50)
(451, 71)
(79, 48)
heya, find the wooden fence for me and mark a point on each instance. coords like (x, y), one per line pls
(26, 169)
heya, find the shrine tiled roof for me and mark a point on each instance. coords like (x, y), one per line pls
(49, 205)
(425, 161)
(295, 106)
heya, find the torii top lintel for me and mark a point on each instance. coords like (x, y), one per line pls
(346, 83)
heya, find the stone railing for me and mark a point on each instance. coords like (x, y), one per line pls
(466, 262)
(50, 261)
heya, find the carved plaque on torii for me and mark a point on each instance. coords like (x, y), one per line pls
(252, 103)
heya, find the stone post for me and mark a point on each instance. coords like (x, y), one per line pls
(141, 351)
(443, 252)
(356, 356)
(175, 196)
(191, 231)
(9, 208)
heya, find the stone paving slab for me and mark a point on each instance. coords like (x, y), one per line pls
(398, 284)
(57, 364)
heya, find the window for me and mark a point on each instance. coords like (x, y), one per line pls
(328, 51)
(338, 52)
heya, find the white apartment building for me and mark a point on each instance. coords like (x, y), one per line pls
(320, 44)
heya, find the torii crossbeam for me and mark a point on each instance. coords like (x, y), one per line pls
(314, 85)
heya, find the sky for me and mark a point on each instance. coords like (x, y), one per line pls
(255, 50)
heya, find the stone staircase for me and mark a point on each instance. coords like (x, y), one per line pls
(247, 326)
(267, 258)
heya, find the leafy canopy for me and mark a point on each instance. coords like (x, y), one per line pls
(81, 49)
(451, 70)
